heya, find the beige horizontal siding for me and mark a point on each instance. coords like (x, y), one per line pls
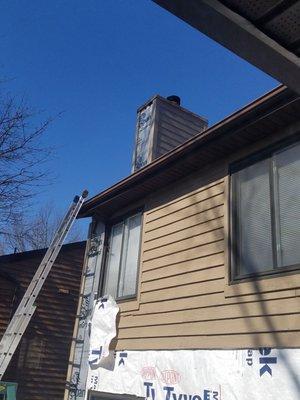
(180, 256)
(189, 232)
(192, 289)
(214, 300)
(242, 325)
(184, 279)
(211, 313)
(193, 198)
(213, 341)
(184, 244)
(182, 300)
(198, 263)
(190, 210)
(188, 222)
(189, 119)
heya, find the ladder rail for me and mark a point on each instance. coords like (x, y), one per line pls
(12, 342)
(26, 308)
(46, 263)
(41, 269)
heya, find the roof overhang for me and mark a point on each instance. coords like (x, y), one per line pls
(264, 33)
(275, 110)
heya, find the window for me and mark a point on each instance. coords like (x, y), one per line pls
(123, 257)
(266, 213)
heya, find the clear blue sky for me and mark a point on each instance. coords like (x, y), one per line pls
(97, 61)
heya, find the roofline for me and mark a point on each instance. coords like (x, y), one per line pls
(162, 161)
(38, 252)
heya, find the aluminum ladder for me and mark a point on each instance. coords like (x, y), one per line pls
(26, 308)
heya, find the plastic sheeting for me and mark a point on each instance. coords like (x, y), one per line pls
(102, 329)
(143, 138)
(263, 374)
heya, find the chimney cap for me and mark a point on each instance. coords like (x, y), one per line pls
(174, 99)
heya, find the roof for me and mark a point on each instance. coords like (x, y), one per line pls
(278, 19)
(263, 32)
(38, 253)
(260, 118)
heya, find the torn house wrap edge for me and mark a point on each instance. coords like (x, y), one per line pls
(264, 373)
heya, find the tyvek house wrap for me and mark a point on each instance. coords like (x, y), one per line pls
(264, 373)
(102, 329)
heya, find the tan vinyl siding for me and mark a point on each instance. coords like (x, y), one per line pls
(214, 341)
(184, 299)
(174, 126)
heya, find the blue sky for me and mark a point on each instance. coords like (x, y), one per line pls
(97, 61)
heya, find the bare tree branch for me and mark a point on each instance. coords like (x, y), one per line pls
(22, 158)
(37, 231)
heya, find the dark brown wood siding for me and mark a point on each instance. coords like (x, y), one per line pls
(40, 364)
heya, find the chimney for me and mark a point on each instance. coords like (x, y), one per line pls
(162, 125)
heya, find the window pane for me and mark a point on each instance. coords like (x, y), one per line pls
(129, 266)
(288, 172)
(254, 239)
(112, 268)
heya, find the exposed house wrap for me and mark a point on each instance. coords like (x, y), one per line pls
(143, 138)
(200, 374)
(102, 328)
(189, 332)
(265, 373)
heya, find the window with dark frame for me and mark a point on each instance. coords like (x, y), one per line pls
(121, 269)
(265, 209)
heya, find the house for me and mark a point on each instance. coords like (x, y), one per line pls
(200, 249)
(40, 363)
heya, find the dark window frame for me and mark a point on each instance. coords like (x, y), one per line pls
(95, 395)
(265, 153)
(108, 229)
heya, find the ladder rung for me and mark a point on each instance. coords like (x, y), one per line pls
(25, 310)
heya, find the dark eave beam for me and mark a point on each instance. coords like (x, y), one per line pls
(240, 36)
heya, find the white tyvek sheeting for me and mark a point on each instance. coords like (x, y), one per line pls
(143, 137)
(102, 329)
(264, 374)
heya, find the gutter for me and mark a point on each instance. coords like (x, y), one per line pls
(213, 132)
